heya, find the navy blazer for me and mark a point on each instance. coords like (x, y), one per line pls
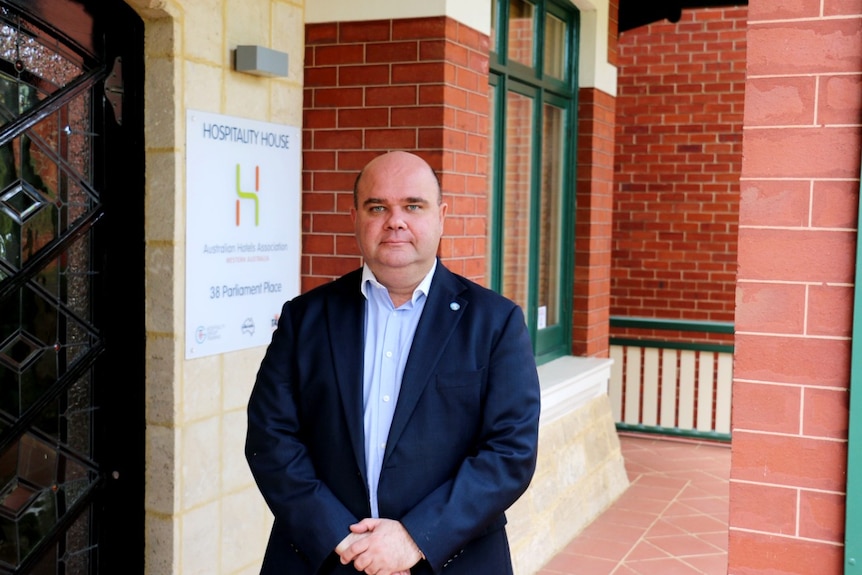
(461, 449)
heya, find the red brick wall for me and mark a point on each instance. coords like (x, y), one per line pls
(797, 242)
(678, 155)
(412, 84)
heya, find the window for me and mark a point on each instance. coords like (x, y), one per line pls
(532, 157)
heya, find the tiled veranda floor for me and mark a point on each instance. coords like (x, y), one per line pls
(672, 520)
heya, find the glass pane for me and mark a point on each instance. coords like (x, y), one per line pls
(41, 64)
(8, 541)
(554, 45)
(550, 258)
(38, 489)
(37, 521)
(521, 29)
(37, 462)
(8, 466)
(516, 203)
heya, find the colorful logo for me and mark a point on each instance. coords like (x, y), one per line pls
(248, 195)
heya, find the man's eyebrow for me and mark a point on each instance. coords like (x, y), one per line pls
(408, 200)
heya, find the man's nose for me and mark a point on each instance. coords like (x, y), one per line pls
(396, 220)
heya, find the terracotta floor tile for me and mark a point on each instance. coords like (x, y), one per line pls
(606, 530)
(579, 565)
(663, 491)
(662, 527)
(645, 550)
(698, 523)
(680, 509)
(672, 520)
(668, 566)
(628, 517)
(718, 540)
(624, 570)
(709, 564)
(708, 505)
(683, 545)
(612, 549)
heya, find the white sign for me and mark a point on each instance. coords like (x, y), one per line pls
(242, 230)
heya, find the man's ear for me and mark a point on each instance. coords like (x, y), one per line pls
(444, 209)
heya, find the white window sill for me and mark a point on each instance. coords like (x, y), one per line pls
(570, 382)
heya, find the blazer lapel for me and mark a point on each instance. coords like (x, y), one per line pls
(345, 316)
(441, 315)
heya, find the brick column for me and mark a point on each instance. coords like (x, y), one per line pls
(798, 235)
(591, 303)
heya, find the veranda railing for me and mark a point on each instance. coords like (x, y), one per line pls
(678, 386)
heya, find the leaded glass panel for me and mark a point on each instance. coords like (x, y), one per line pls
(48, 340)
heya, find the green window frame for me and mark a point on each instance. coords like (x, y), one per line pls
(532, 160)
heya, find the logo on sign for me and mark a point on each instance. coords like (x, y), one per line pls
(252, 196)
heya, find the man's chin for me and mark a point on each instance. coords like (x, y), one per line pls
(394, 261)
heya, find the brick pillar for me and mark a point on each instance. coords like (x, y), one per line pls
(416, 84)
(797, 249)
(595, 175)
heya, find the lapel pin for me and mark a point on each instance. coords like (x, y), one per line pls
(454, 306)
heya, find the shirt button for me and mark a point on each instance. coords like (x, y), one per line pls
(386, 398)
(383, 445)
(388, 354)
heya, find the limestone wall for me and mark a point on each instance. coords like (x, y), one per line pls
(580, 473)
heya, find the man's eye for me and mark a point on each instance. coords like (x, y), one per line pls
(413, 208)
(377, 209)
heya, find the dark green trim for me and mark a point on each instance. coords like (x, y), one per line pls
(537, 139)
(495, 171)
(674, 432)
(853, 520)
(672, 324)
(508, 77)
(522, 72)
(716, 347)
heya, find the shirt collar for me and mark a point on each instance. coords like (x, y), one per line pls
(422, 289)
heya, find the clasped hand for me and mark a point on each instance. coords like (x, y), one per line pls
(379, 547)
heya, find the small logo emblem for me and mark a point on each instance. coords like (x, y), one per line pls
(248, 326)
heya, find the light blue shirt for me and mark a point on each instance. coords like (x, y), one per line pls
(388, 336)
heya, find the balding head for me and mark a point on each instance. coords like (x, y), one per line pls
(397, 160)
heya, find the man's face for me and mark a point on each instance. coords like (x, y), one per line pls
(398, 219)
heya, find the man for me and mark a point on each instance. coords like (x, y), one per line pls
(395, 414)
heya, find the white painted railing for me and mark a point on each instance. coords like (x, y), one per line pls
(682, 389)
(686, 390)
